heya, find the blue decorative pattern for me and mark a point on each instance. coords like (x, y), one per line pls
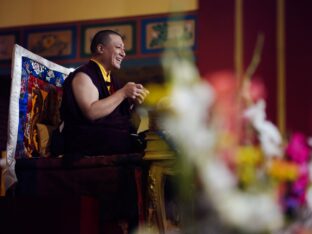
(36, 78)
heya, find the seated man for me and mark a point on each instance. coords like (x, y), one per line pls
(95, 108)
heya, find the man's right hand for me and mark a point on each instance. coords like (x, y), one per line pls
(134, 91)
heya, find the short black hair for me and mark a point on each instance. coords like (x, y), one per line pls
(101, 37)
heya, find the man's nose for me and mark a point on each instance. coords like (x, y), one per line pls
(123, 53)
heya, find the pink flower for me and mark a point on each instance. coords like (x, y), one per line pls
(297, 148)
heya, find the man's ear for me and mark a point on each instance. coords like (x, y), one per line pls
(100, 48)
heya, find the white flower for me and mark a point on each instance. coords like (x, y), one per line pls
(188, 126)
(190, 101)
(252, 212)
(309, 195)
(269, 135)
(179, 69)
(217, 178)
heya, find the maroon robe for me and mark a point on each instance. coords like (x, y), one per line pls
(107, 135)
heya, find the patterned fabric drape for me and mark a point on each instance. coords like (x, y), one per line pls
(36, 92)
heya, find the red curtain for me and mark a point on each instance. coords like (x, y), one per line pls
(216, 26)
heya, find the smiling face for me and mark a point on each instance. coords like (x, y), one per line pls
(112, 53)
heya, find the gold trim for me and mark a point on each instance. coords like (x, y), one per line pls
(238, 41)
(281, 74)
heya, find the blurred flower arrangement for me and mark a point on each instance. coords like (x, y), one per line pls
(256, 181)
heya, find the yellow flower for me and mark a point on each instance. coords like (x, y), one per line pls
(283, 170)
(247, 158)
(246, 174)
(248, 155)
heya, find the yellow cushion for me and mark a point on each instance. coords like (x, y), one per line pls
(44, 135)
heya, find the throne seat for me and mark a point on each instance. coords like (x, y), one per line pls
(113, 182)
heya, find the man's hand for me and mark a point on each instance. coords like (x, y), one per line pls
(135, 91)
(141, 95)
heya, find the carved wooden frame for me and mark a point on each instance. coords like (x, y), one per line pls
(156, 183)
